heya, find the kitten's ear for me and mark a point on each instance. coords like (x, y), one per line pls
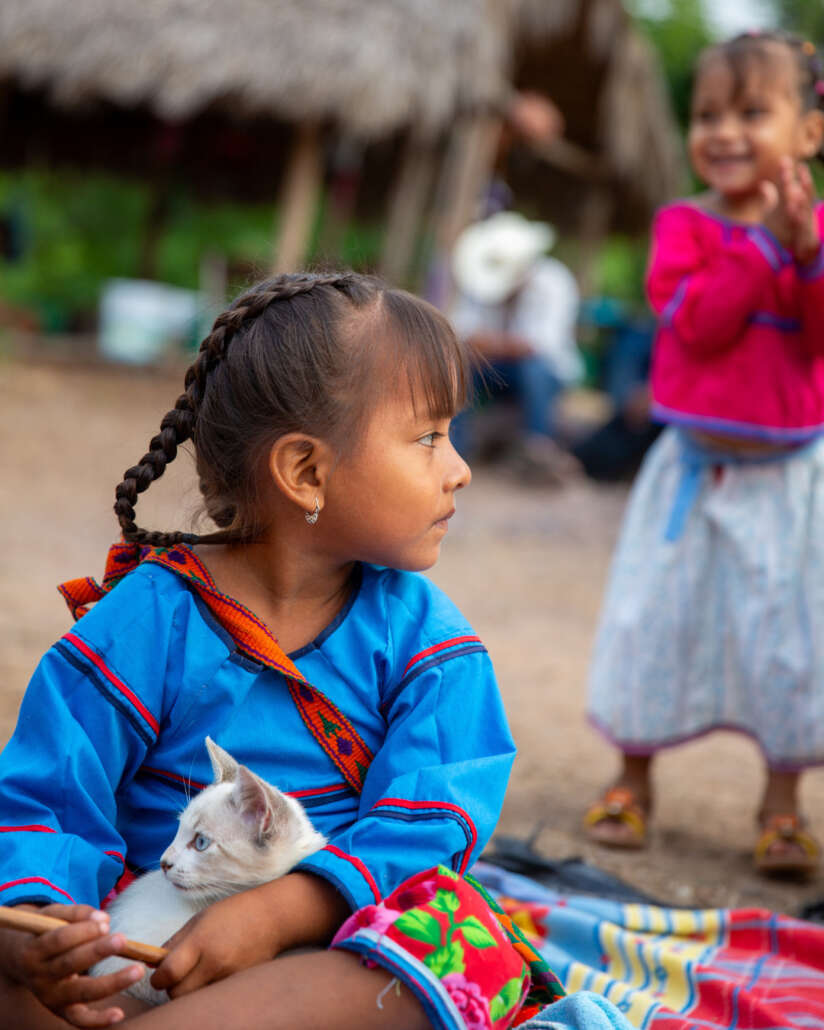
(224, 767)
(254, 802)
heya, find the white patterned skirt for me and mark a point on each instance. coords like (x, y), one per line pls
(714, 611)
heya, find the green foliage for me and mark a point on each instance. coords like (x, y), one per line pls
(620, 268)
(78, 229)
(242, 233)
(75, 231)
(806, 17)
(678, 31)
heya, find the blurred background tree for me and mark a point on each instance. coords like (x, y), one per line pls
(678, 30)
(806, 17)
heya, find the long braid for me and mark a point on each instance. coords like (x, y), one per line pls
(179, 424)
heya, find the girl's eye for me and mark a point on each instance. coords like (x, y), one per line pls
(201, 842)
(430, 438)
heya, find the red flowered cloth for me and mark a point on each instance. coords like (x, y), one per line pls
(441, 935)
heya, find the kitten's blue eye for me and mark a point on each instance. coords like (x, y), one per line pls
(201, 842)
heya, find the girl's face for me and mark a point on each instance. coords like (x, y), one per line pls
(739, 133)
(390, 501)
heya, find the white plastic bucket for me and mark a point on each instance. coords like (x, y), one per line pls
(143, 321)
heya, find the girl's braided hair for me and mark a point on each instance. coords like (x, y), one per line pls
(740, 51)
(295, 353)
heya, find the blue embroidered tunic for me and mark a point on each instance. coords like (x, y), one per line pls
(110, 738)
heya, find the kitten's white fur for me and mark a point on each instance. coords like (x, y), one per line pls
(255, 834)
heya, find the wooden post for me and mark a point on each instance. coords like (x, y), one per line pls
(471, 161)
(343, 177)
(467, 168)
(407, 206)
(473, 149)
(298, 199)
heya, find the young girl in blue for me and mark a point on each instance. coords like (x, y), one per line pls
(319, 409)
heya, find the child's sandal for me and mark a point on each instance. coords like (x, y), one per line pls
(800, 858)
(617, 809)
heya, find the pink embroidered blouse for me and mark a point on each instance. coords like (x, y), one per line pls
(740, 341)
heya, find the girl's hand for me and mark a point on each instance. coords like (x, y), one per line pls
(295, 911)
(228, 936)
(799, 192)
(775, 217)
(52, 965)
(789, 207)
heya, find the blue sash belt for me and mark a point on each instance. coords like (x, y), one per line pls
(696, 457)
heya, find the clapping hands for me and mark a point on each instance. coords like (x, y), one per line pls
(789, 210)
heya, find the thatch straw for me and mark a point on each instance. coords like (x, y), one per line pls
(372, 67)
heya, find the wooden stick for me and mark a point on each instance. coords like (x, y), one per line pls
(33, 922)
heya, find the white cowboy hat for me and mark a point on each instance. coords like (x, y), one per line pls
(492, 258)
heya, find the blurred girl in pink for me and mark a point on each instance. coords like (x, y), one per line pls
(714, 613)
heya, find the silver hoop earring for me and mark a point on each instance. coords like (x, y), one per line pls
(312, 516)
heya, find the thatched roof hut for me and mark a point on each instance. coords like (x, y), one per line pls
(296, 71)
(372, 68)
(199, 86)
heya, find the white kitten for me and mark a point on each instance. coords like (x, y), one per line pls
(237, 833)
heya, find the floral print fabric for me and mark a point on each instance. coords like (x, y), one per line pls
(448, 941)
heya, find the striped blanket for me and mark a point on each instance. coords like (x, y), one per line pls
(672, 969)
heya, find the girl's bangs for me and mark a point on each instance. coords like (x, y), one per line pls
(748, 58)
(438, 366)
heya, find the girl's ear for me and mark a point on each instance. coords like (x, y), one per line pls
(812, 129)
(300, 467)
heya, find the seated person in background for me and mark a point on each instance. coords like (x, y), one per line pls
(613, 450)
(518, 308)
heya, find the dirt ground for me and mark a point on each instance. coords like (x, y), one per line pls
(526, 565)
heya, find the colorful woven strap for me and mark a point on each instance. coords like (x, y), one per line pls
(327, 724)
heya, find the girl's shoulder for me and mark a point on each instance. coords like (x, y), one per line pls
(150, 612)
(423, 631)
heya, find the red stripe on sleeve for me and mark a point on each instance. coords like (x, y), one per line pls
(361, 868)
(37, 879)
(34, 828)
(316, 791)
(440, 647)
(115, 682)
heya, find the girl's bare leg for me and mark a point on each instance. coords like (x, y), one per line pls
(311, 992)
(780, 794)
